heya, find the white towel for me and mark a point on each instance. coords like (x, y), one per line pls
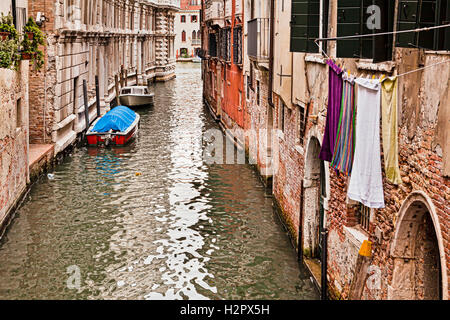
(366, 185)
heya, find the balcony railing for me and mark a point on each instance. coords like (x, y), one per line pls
(196, 42)
(259, 39)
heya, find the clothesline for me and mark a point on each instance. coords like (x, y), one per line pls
(382, 33)
(402, 74)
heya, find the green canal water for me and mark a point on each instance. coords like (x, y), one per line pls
(151, 220)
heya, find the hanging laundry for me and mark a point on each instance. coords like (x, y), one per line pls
(334, 104)
(366, 184)
(390, 129)
(344, 146)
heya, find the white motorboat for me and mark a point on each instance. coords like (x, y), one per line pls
(135, 96)
(196, 59)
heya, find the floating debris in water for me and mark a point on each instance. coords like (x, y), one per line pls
(51, 176)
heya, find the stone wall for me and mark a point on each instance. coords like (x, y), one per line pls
(14, 174)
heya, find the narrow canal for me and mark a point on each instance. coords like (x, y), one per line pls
(151, 220)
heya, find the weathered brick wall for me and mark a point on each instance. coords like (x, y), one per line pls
(13, 138)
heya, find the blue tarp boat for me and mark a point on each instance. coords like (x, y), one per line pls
(117, 126)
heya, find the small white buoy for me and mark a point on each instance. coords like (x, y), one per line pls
(51, 176)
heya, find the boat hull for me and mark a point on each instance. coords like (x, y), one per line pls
(132, 100)
(113, 138)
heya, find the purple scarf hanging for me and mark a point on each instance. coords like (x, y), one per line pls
(334, 107)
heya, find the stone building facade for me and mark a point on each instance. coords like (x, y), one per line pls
(410, 249)
(88, 38)
(187, 29)
(14, 132)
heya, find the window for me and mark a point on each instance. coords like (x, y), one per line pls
(306, 26)
(19, 113)
(251, 76)
(237, 45)
(183, 36)
(194, 35)
(194, 18)
(281, 115)
(257, 92)
(424, 13)
(364, 216)
(183, 18)
(359, 17)
(301, 124)
(248, 87)
(212, 49)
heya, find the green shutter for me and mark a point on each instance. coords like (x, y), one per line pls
(382, 45)
(349, 24)
(443, 35)
(304, 25)
(428, 17)
(407, 19)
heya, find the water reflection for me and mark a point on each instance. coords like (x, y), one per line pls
(151, 220)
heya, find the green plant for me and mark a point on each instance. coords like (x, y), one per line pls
(7, 25)
(9, 56)
(32, 46)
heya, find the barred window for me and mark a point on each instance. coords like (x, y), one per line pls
(301, 124)
(364, 216)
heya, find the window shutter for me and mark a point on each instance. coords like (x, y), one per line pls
(407, 19)
(382, 45)
(349, 24)
(304, 25)
(444, 34)
(428, 18)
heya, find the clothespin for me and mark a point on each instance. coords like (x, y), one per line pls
(373, 77)
(348, 71)
(382, 77)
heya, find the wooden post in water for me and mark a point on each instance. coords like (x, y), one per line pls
(126, 78)
(116, 81)
(97, 96)
(86, 106)
(137, 77)
(122, 76)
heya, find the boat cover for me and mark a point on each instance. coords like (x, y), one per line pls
(117, 119)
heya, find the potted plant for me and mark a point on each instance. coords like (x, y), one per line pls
(32, 39)
(9, 56)
(7, 29)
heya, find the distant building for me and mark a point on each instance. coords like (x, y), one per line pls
(187, 29)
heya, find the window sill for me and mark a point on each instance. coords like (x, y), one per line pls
(316, 58)
(299, 149)
(356, 235)
(367, 64)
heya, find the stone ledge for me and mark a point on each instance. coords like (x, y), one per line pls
(367, 64)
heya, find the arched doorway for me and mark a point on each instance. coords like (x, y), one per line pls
(418, 252)
(314, 194)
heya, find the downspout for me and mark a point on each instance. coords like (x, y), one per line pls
(300, 223)
(272, 19)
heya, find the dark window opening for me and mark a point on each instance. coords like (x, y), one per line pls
(361, 17)
(364, 216)
(420, 14)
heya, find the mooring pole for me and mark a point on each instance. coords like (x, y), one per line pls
(323, 280)
(86, 107)
(97, 96)
(116, 82)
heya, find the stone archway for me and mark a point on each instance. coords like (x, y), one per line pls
(313, 207)
(418, 252)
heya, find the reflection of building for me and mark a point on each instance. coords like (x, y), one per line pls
(187, 29)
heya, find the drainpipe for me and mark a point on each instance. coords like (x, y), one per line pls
(323, 280)
(272, 14)
(300, 223)
(13, 12)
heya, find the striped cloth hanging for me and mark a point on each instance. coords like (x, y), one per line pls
(344, 146)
